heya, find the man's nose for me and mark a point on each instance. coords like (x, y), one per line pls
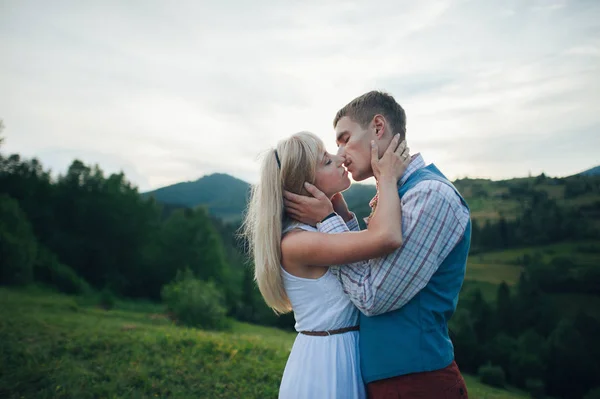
(339, 160)
(341, 152)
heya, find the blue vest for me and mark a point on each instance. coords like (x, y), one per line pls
(415, 337)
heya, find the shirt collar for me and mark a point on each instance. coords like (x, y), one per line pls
(417, 162)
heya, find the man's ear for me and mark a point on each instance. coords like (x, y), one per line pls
(379, 125)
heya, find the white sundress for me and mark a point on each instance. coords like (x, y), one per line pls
(321, 367)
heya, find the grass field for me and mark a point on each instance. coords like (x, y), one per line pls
(54, 346)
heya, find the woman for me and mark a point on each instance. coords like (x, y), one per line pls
(292, 260)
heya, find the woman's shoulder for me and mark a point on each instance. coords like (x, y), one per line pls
(298, 226)
(291, 235)
(293, 253)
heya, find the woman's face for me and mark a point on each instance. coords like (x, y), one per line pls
(331, 175)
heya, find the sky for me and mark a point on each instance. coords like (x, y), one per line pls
(171, 91)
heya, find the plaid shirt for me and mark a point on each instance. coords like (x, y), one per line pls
(433, 222)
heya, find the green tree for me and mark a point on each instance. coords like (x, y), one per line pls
(499, 351)
(464, 338)
(527, 360)
(571, 369)
(504, 310)
(189, 239)
(18, 246)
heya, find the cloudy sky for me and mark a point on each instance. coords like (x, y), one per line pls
(171, 91)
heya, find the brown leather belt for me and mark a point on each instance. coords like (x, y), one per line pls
(330, 332)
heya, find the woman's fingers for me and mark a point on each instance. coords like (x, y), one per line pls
(393, 144)
(401, 147)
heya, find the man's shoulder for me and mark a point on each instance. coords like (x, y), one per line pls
(441, 191)
(434, 185)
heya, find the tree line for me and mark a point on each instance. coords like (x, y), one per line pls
(84, 231)
(525, 340)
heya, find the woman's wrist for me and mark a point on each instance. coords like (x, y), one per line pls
(387, 179)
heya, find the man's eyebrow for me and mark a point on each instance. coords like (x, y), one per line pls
(340, 134)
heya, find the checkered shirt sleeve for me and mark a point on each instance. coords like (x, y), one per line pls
(433, 222)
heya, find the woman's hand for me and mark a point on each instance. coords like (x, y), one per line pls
(394, 161)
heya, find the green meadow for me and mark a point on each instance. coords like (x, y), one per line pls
(58, 346)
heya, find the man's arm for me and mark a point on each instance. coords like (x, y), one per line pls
(353, 223)
(433, 222)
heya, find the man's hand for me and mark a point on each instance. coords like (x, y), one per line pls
(308, 210)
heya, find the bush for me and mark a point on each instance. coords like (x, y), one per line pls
(535, 388)
(195, 303)
(593, 394)
(492, 375)
(50, 271)
(107, 299)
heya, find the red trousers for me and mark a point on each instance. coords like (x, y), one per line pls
(446, 383)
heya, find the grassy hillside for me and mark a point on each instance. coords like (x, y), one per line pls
(54, 346)
(490, 200)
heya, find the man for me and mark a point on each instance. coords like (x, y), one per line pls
(407, 297)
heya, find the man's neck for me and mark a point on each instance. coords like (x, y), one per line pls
(416, 162)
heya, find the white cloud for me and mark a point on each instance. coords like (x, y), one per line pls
(171, 92)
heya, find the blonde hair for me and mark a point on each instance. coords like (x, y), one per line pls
(264, 219)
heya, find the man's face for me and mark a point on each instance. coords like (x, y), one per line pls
(354, 144)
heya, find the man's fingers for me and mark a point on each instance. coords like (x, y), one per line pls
(292, 197)
(314, 191)
(293, 214)
(291, 206)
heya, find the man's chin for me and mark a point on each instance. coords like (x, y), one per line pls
(359, 176)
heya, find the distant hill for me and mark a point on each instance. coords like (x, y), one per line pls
(223, 195)
(591, 172)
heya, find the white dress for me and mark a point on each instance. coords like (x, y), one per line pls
(321, 367)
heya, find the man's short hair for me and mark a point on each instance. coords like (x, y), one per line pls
(363, 109)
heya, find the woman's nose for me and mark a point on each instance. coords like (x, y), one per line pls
(340, 160)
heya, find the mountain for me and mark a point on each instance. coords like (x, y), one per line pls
(591, 172)
(223, 195)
